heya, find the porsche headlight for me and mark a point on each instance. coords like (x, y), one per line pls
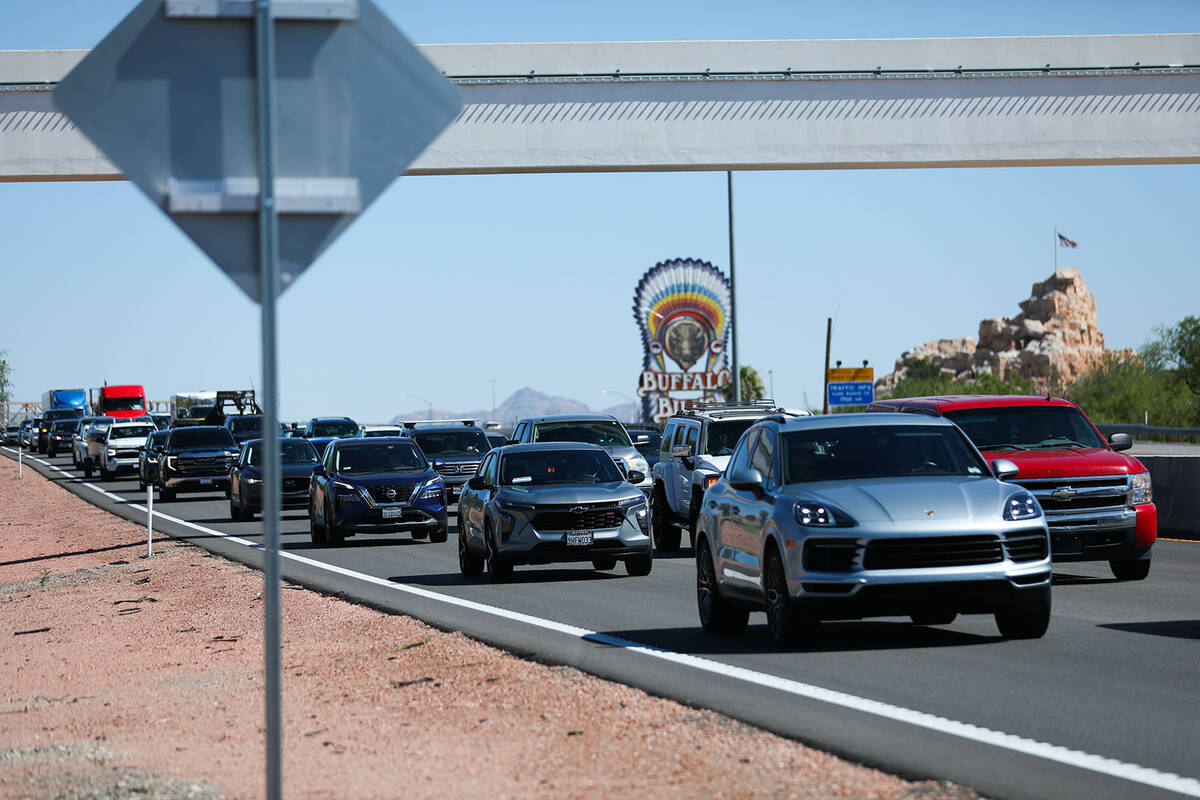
(1020, 506)
(1141, 488)
(815, 515)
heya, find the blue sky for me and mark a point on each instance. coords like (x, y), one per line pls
(448, 282)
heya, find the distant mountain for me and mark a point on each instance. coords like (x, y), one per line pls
(523, 403)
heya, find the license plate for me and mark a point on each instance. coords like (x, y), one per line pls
(206, 481)
(392, 513)
(579, 538)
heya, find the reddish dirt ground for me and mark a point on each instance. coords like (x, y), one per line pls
(128, 676)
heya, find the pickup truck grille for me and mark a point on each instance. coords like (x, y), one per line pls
(214, 465)
(379, 493)
(932, 551)
(587, 517)
(1082, 501)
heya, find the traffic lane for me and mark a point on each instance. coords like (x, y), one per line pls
(585, 589)
(963, 671)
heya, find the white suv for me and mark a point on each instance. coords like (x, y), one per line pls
(118, 446)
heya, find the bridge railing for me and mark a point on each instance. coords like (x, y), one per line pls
(1152, 433)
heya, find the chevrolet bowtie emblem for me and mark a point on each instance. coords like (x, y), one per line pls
(929, 512)
(1065, 493)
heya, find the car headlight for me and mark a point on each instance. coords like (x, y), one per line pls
(639, 465)
(433, 491)
(112, 453)
(1021, 505)
(509, 505)
(169, 462)
(632, 502)
(709, 480)
(253, 481)
(346, 491)
(816, 515)
(1141, 488)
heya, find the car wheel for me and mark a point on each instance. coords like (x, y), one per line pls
(74, 460)
(235, 513)
(469, 564)
(166, 495)
(105, 475)
(1130, 570)
(499, 568)
(1026, 621)
(141, 483)
(316, 532)
(933, 618)
(50, 451)
(717, 615)
(784, 622)
(603, 563)
(440, 533)
(420, 534)
(666, 535)
(247, 511)
(639, 566)
(694, 517)
(333, 532)
(87, 470)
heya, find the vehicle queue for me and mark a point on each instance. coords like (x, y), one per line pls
(802, 517)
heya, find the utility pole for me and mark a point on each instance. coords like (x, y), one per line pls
(737, 370)
(828, 337)
(771, 381)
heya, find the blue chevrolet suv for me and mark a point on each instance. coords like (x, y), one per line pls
(377, 485)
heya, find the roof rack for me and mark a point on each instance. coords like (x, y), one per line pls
(412, 423)
(721, 409)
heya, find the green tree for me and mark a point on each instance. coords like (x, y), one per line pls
(752, 386)
(1180, 346)
(923, 378)
(1127, 388)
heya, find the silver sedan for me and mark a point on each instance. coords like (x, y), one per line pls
(865, 515)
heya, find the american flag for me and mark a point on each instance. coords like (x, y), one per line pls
(1065, 242)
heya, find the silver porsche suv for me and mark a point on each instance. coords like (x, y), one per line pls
(864, 515)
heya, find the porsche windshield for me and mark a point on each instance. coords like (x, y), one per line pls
(464, 442)
(1026, 428)
(606, 433)
(557, 466)
(883, 451)
(390, 457)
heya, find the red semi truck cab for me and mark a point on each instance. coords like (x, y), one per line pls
(1097, 500)
(119, 401)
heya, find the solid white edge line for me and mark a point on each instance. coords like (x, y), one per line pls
(1050, 752)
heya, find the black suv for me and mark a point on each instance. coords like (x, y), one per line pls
(320, 431)
(245, 427)
(58, 439)
(43, 431)
(195, 459)
(454, 447)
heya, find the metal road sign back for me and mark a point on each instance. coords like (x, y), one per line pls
(169, 96)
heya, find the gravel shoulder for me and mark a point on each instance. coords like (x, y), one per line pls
(128, 676)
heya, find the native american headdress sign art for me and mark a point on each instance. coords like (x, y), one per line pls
(682, 310)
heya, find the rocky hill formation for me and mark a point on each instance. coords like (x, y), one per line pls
(1055, 338)
(523, 403)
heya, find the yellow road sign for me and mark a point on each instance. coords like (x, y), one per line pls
(841, 374)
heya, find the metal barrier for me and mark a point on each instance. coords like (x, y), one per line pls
(1176, 483)
(1152, 433)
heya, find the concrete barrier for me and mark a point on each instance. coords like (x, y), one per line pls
(1176, 482)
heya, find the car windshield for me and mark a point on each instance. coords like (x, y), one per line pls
(497, 439)
(64, 413)
(124, 404)
(877, 451)
(606, 433)
(64, 425)
(1026, 427)
(381, 457)
(723, 435)
(130, 431)
(291, 451)
(93, 422)
(202, 437)
(338, 428)
(557, 466)
(452, 443)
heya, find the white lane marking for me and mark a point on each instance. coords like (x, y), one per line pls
(964, 730)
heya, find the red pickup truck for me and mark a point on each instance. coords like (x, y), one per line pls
(1097, 501)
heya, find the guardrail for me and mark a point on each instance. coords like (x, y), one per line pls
(1152, 433)
(1176, 483)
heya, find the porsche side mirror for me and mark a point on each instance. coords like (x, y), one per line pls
(747, 480)
(1004, 469)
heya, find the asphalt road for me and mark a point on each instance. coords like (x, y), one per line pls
(1107, 705)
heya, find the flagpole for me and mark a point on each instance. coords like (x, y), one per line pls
(1055, 246)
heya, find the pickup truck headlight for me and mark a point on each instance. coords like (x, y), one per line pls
(112, 453)
(169, 462)
(1021, 506)
(1141, 489)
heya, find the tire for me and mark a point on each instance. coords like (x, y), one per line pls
(141, 483)
(603, 563)
(785, 625)
(640, 566)
(469, 564)
(105, 475)
(499, 569)
(50, 451)
(694, 517)
(1027, 621)
(333, 533)
(441, 533)
(717, 615)
(247, 512)
(74, 459)
(87, 470)
(316, 532)
(665, 535)
(933, 618)
(1130, 570)
(235, 513)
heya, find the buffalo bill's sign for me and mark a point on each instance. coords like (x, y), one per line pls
(682, 310)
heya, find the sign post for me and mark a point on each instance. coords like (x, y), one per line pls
(262, 174)
(149, 519)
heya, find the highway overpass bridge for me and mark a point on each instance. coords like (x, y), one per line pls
(739, 105)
